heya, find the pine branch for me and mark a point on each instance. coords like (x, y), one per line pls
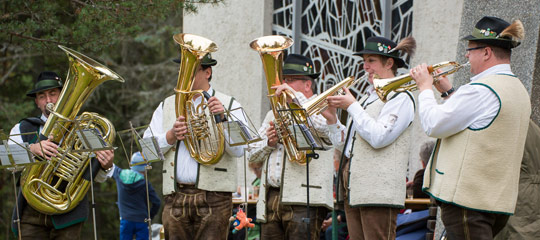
(36, 39)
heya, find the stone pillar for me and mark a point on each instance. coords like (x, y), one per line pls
(239, 72)
(436, 29)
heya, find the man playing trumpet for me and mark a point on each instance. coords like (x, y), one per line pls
(474, 170)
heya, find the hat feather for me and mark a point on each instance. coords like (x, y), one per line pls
(515, 31)
(407, 45)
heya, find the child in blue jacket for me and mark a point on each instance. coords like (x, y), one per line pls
(131, 187)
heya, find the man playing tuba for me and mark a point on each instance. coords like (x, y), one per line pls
(34, 224)
(282, 204)
(198, 197)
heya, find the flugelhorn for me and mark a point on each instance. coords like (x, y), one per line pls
(383, 87)
(205, 140)
(318, 104)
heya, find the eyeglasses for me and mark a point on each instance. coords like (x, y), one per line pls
(474, 48)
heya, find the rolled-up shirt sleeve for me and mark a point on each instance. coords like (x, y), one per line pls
(259, 151)
(336, 134)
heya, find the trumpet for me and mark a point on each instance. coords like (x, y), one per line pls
(383, 87)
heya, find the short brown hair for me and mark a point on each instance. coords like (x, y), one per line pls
(501, 53)
(384, 59)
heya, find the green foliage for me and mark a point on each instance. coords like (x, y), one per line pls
(131, 37)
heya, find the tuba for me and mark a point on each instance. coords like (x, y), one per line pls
(58, 185)
(383, 87)
(271, 49)
(205, 140)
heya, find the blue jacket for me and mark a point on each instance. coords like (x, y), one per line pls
(131, 188)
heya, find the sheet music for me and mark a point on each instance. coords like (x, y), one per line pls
(304, 138)
(93, 139)
(150, 149)
(237, 132)
(20, 154)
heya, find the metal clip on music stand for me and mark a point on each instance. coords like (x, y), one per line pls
(150, 152)
(306, 138)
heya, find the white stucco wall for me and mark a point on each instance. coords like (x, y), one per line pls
(436, 30)
(232, 25)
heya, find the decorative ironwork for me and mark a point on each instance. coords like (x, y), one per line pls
(332, 30)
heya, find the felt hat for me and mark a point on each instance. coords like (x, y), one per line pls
(497, 32)
(381, 46)
(206, 61)
(299, 65)
(45, 81)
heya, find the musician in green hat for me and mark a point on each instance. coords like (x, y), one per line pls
(375, 144)
(481, 129)
(34, 224)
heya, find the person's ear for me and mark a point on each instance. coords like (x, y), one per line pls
(308, 86)
(389, 63)
(208, 72)
(488, 53)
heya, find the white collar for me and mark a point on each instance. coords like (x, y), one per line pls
(43, 117)
(370, 90)
(211, 91)
(497, 69)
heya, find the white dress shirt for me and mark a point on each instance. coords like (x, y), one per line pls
(260, 151)
(17, 131)
(473, 106)
(186, 166)
(379, 131)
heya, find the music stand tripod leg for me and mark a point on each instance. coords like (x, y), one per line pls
(18, 220)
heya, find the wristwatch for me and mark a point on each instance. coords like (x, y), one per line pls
(447, 93)
(108, 170)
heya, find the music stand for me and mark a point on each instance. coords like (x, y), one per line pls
(15, 157)
(238, 128)
(150, 152)
(92, 141)
(306, 138)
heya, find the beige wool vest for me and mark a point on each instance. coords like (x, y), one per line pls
(377, 177)
(479, 168)
(220, 177)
